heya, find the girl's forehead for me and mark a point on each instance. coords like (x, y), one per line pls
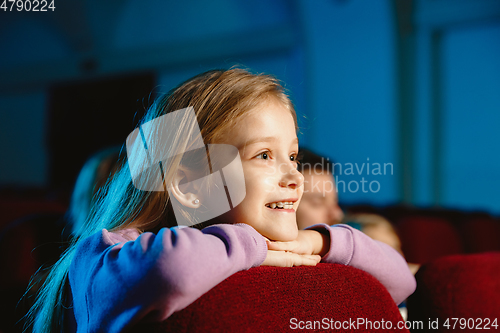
(270, 122)
(270, 112)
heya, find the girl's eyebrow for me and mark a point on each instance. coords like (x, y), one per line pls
(267, 139)
(259, 140)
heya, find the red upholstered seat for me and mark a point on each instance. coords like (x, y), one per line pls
(481, 234)
(426, 238)
(459, 286)
(265, 299)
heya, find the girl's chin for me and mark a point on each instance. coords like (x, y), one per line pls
(282, 235)
(277, 228)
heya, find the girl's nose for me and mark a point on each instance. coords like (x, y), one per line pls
(291, 177)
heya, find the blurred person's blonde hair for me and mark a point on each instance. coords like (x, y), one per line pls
(377, 227)
(94, 174)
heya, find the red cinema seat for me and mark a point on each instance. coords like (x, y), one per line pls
(458, 286)
(481, 234)
(266, 299)
(426, 238)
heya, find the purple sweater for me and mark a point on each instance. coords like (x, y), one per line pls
(117, 279)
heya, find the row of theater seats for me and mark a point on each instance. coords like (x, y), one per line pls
(428, 234)
(460, 273)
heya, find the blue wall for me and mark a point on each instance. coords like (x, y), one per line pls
(351, 92)
(472, 117)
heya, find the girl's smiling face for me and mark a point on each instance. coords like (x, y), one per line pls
(268, 147)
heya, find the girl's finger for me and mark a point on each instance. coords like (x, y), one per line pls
(289, 259)
(281, 246)
(309, 260)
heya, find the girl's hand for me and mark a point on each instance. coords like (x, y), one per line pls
(308, 242)
(289, 259)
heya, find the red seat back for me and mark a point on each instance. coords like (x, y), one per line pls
(265, 299)
(426, 238)
(459, 286)
(481, 234)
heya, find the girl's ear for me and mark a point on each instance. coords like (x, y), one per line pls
(183, 193)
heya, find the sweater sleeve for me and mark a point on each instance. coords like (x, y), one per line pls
(349, 246)
(115, 282)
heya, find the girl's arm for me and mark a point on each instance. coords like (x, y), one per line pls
(116, 279)
(344, 245)
(352, 247)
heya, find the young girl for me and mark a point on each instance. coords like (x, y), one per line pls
(132, 264)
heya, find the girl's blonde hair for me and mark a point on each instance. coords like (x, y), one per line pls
(220, 98)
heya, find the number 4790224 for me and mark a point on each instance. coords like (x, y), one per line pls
(471, 323)
(27, 5)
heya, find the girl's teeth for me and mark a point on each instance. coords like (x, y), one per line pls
(280, 204)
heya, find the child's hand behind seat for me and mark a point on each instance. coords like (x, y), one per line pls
(308, 242)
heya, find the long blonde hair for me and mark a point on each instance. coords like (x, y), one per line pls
(220, 98)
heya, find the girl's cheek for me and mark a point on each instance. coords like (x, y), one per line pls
(270, 169)
(300, 193)
(269, 185)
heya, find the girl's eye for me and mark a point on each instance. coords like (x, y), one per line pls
(264, 155)
(294, 159)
